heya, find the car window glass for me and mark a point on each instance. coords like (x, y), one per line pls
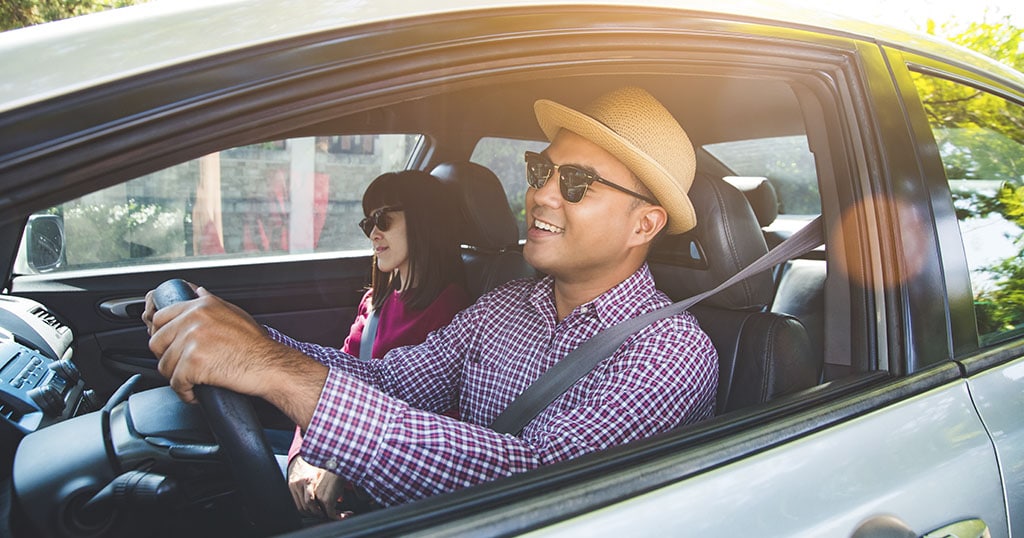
(787, 163)
(292, 196)
(980, 138)
(504, 156)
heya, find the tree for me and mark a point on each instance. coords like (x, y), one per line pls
(981, 137)
(20, 13)
(1000, 40)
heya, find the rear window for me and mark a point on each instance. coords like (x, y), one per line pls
(981, 144)
(504, 156)
(786, 161)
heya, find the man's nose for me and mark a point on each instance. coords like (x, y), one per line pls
(549, 195)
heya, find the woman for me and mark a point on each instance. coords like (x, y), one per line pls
(417, 286)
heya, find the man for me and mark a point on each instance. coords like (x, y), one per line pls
(610, 181)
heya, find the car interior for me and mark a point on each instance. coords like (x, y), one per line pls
(773, 331)
(735, 217)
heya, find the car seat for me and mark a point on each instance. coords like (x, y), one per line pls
(489, 233)
(799, 284)
(761, 354)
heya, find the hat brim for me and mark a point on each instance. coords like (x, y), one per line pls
(552, 117)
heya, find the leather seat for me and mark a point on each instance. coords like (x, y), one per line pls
(762, 354)
(763, 199)
(489, 233)
(799, 284)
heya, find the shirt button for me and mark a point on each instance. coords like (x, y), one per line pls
(584, 309)
(331, 464)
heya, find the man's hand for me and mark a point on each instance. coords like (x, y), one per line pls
(302, 481)
(314, 490)
(208, 341)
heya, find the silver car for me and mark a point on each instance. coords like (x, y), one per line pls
(873, 386)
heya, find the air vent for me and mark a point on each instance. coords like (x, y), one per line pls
(49, 319)
(9, 413)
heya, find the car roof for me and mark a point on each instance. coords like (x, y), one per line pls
(49, 60)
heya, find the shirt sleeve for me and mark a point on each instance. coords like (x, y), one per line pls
(399, 453)
(425, 376)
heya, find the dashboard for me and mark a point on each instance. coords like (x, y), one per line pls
(141, 463)
(39, 383)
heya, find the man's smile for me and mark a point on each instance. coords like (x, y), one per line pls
(547, 226)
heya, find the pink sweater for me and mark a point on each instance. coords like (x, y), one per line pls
(398, 326)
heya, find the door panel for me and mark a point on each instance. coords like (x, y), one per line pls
(309, 299)
(999, 395)
(926, 460)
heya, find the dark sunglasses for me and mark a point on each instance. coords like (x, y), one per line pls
(378, 219)
(572, 180)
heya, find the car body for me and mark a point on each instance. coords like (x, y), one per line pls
(915, 415)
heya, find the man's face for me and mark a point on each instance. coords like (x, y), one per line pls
(586, 240)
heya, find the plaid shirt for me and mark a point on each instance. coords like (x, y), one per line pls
(376, 422)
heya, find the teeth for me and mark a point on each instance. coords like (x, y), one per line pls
(548, 227)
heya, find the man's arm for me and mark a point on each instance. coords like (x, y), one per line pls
(424, 375)
(399, 453)
(212, 342)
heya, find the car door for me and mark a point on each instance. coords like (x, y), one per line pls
(899, 445)
(974, 124)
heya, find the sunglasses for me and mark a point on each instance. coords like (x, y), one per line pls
(378, 219)
(572, 180)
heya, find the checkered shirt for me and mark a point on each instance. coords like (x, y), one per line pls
(376, 422)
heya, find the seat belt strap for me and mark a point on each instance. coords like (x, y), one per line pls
(580, 361)
(368, 336)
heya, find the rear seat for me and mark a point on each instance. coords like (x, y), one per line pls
(490, 235)
(799, 284)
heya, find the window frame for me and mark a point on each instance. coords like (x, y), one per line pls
(958, 291)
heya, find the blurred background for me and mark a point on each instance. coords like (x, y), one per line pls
(991, 27)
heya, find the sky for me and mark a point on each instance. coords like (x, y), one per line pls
(913, 14)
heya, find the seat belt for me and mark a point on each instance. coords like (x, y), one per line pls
(580, 361)
(368, 336)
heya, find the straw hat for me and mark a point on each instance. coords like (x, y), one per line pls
(633, 126)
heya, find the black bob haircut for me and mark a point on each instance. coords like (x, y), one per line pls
(435, 259)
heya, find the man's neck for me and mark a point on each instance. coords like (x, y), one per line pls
(570, 294)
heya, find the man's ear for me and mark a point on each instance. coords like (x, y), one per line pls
(650, 219)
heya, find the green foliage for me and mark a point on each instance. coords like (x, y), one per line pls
(112, 235)
(21, 13)
(980, 138)
(1005, 303)
(999, 40)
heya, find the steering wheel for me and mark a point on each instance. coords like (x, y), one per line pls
(235, 426)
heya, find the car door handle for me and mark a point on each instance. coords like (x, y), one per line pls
(968, 528)
(127, 308)
(894, 527)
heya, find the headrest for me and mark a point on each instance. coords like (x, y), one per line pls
(726, 239)
(487, 220)
(760, 195)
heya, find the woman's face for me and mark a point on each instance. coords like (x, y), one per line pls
(392, 246)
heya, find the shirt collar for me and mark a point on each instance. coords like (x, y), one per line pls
(620, 302)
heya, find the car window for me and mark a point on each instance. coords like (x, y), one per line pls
(504, 156)
(787, 163)
(292, 196)
(980, 138)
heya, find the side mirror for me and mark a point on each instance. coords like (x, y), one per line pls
(44, 245)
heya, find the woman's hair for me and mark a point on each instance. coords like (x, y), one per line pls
(435, 260)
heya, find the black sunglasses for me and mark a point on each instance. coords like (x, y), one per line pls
(572, 180)
(378, 219)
